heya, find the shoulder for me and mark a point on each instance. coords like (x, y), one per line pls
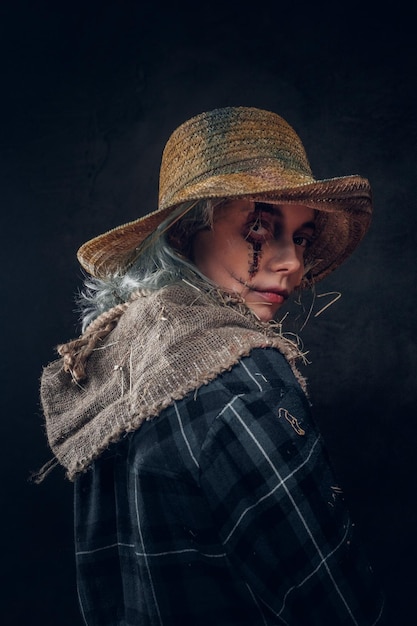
(256, 386)
(263, 367)
(262, 371)
(262, 392)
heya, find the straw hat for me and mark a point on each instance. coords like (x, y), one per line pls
(242, 152)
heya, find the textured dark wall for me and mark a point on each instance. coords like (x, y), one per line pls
(89, 94)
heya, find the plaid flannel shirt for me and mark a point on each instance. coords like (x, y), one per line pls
(222, 511)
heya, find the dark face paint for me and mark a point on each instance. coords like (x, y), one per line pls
(256, 245)
(256, 253)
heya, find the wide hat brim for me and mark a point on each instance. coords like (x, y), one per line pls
(242, 152)
(343, 204)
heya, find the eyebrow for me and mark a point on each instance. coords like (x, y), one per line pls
(273, 209)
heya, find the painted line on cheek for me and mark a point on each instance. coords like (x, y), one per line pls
(256, 254)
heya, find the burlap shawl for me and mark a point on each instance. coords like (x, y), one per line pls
(164, 346)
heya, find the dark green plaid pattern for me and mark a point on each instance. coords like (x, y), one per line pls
(222, 511)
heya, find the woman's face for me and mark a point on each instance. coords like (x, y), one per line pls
(257, 250)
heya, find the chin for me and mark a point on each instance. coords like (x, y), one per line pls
(262, 315)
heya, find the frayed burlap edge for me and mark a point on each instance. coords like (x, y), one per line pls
(164, 346)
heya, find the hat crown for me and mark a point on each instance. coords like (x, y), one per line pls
(226, 142)
(242, 152)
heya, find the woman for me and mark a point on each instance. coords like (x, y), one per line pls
(203, 491)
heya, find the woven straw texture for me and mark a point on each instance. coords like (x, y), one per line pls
(242, 152)
(165, 345)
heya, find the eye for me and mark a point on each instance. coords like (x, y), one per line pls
(304, 241)
(257, 229)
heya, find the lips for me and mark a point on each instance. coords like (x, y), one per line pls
(273, 295)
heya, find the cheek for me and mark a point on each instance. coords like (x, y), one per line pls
(213, 255)
(302, 262)
(302, 271)
(201, 246)
(223, 259)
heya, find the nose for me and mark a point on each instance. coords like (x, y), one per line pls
(287, 258)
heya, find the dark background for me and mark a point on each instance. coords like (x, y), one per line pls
(89, 95)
